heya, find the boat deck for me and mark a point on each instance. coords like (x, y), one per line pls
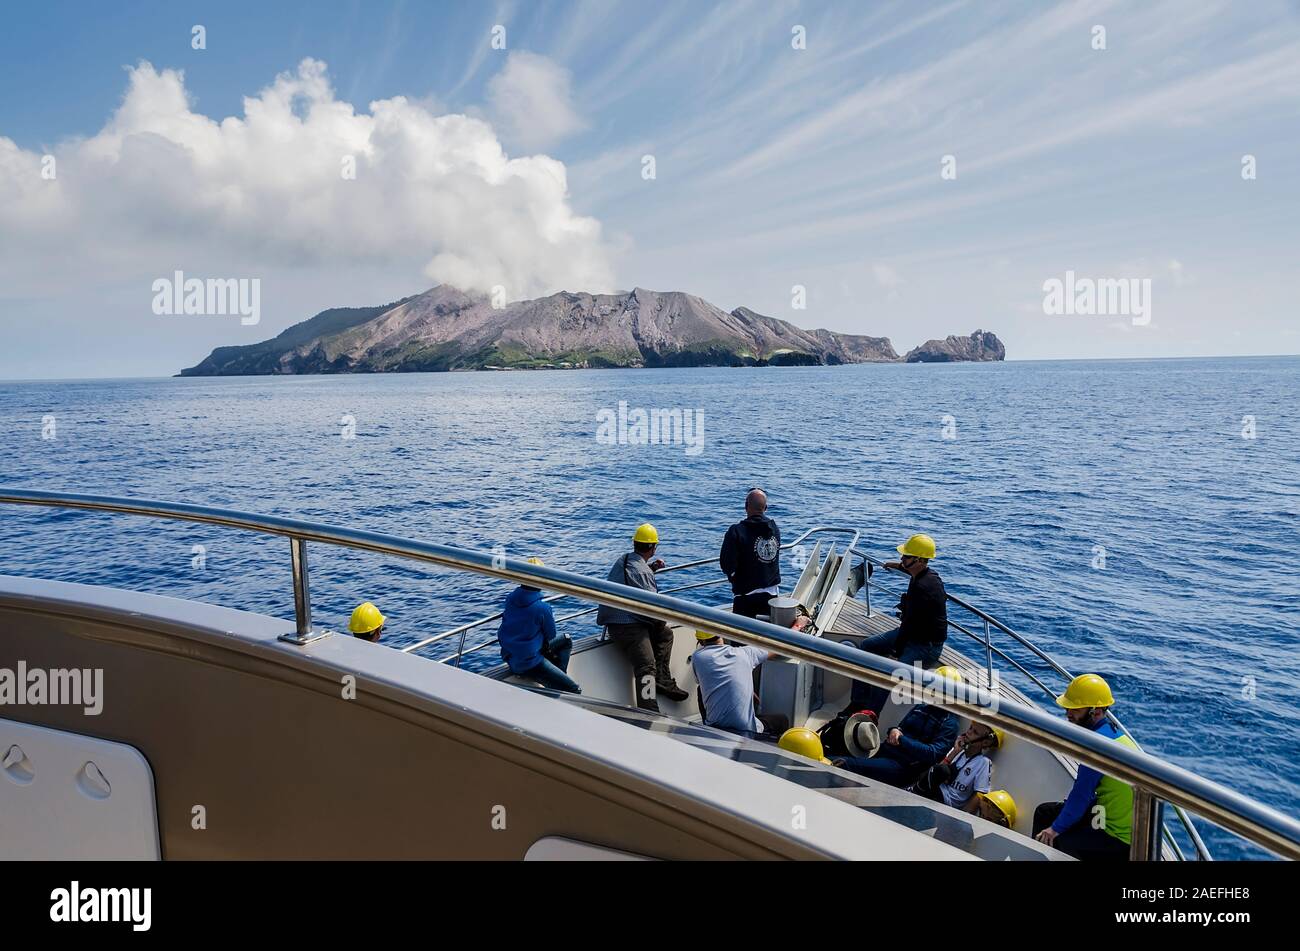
(854, 621)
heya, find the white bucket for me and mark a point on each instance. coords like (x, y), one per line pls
(783, 610)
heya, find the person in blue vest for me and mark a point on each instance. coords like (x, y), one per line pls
(528, 640)
(1095, 822)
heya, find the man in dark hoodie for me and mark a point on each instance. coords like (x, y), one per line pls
(529, 643)
(751, 553)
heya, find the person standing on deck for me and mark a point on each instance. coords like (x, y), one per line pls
(1096, 819)
(648, 643)
(923, 620)
(751, 558)
(529, 642)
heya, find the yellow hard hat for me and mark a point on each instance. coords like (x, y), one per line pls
(646, 534)
(1005, 804)
(365, 618)
(918, 546)
(804, 742)
(999, 737)
(704, 636)
(537, 561)
(1086, 690)
(952, 673)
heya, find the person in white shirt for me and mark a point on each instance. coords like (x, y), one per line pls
(965, 771)
(725, 675)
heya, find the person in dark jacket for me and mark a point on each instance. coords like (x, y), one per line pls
(923, 622)
(751, 558)
(647, 642)
(918, 742)
(529, 643)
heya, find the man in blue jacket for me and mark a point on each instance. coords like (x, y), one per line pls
(919, 741)
(1095, 822)
(529, 643)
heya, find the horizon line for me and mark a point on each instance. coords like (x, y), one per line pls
(824, 366)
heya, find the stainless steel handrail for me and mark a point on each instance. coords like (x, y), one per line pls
(462, 628)
(1149, 775)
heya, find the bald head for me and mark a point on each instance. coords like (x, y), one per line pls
(756, 502)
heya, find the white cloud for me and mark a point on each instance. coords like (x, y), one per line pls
(531, 102)
(163, 186)
(885, 275)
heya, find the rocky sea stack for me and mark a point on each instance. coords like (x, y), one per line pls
(981, 346)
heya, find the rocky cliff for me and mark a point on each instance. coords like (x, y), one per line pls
(448, 329)
(981, 346)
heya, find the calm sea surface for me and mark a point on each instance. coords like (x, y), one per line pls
(1112, 511)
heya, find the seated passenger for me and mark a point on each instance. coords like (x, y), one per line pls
(725, 674)
(909, 749)
(367, 623)
(1096, 819)
(529, 643)
(965, 771)
(996, 806)
(923, 620)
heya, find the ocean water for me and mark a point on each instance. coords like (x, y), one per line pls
(1124, 515)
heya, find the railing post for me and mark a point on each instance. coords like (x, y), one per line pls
(460, 649)
(303, 632)
(867, 585)
(988, 657)
(1144, 844)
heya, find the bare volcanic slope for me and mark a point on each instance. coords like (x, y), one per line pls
(448, 329)
(266, 357)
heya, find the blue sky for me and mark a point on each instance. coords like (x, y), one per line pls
(774, 166)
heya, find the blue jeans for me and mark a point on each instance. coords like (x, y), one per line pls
(883, 767)
(867, 697)
(553, 675)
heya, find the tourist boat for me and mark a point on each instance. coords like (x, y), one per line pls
(223, 733)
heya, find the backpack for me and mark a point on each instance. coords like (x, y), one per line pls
(832, 735)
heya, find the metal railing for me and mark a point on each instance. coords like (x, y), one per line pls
(1148, 775)
(464, 629)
